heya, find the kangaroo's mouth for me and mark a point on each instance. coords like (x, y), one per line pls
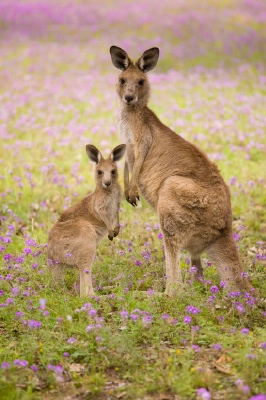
(106, 186)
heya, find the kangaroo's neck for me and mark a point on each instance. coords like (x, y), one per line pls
(133, 109)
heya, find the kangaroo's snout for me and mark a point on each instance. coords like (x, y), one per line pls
(107, 184)
(129, 98)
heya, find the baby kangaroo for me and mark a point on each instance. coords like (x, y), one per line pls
(176, 178)
(73, 239)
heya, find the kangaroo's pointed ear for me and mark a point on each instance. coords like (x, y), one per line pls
(148, 60)
(93, 153)
(118, 152)
(120, 58)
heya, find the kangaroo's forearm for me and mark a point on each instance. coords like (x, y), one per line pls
(126, 176)
(117, 218)
(136, 172)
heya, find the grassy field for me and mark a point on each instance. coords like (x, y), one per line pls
(57, 93)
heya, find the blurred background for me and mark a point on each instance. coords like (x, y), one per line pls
(189, 32)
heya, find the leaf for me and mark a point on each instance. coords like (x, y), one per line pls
(120, 395)
(76, 368)
(226, 369)
(222, 364)
(223, 359)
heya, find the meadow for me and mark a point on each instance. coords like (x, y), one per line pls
(57, 94)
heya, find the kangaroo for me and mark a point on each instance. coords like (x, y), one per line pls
(176, 178)
(73, 239)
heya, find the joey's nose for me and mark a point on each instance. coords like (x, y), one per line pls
(129, 98)
(108, 183)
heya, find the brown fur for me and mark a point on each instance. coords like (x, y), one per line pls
(73, 239)
(176, 178)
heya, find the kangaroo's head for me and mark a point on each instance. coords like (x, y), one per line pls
(106, 168)
(133, 87)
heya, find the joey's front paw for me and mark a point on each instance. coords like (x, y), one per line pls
(133, 196)
(116, 230)
(111, 235)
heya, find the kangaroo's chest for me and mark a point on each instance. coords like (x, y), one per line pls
(126, 132)
(109, 205)
(127, 136)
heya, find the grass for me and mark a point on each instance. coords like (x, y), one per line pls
(57, 90)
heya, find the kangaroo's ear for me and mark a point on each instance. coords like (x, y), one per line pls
(148, 60)
(120, 58)
(118, 152)
(93, 153)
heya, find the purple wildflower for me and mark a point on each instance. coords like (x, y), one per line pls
(124, 314)
(19, 314)
(203, 394)
(21, 363)
(32, 324)
(27, 250)
(239, 307)
(134, 317)
(187, 319)
(147, 320)
(245, 331)
(72, 340)
(5, 365)
(196, 348)
(193, 310)
(214, 289)
(251, 356)
(217, 346)
(92, 312)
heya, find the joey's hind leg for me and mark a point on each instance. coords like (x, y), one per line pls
(195, 261)
(224, 255)
(87, 256)
(85, 276)
(57, 270)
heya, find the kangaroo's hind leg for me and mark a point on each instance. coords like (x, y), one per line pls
(224, 255)
(172, 253)
(195, 261)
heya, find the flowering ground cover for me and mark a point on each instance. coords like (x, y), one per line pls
(57, 93)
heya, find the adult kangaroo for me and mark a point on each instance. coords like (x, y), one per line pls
(176, 178)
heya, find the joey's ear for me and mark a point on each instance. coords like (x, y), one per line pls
(148, 60)
(120, 58)
(93, 153)
(118, 152)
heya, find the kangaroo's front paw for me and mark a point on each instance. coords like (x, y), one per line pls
(116, 230)
(133, 196)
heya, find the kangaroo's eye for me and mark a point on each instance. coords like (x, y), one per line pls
(113, 172)
(141, 82)
(122, 81)
(99, 172)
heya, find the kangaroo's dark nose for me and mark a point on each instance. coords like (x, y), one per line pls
(129, 98)
(108, 183)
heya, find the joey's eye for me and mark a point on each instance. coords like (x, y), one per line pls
(113, 172)
(141, 82)
(122, 81)
(99, 172)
